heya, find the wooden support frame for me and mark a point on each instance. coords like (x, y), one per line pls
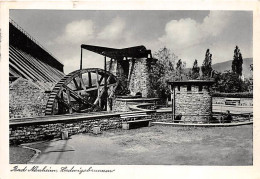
(98, 89)
(76, 83)
(89, 80)
(105, 85)
(69, 100)
(81, 100)
(82, 83)
(131, 68)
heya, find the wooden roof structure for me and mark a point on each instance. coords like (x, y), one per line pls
(29, 60)
(118, 54)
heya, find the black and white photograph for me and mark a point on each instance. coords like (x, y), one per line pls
(131, 87)
(140, 90)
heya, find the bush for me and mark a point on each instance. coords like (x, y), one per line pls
(233, 95)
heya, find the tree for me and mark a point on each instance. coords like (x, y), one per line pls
(166, 58)
(251, 67)
(195, 71)
(237, 62)
(163, 71)
(180, 73)
(230, 82)
(206, 67)
(179, 68)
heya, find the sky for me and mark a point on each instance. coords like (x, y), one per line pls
(188, 34)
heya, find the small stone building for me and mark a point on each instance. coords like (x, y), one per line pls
(192, 99)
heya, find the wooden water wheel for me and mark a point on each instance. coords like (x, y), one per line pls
(81, 91)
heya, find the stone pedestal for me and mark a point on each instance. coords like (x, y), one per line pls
(96, 130)
(125, 126)
(65, 135)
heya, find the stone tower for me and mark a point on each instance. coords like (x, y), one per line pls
(134, 74)
(192, 99)
(139, 82)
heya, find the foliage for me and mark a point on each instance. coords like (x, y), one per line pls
(166, 58)
(179, 70)
(233, 95)
(195, 71)
(237, 62)
(163, 71)
(230, 82)
(251, 67)
(206, 67)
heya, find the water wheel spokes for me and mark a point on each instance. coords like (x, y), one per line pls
(81, 91)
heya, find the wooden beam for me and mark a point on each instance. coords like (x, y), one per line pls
(110, 76)
(76, 83)
(65, 103)
(130, 72)
(105, 87)
(60, 95)
(113, 90)
(95, 88)
(100, 79)
(89, 80)
(69, 101)
(82, 83)
(98, 90)
(80, 59)
(110, 64)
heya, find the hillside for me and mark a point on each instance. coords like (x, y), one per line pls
(221, 67)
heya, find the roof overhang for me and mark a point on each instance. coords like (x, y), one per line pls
(131, 52)
(191, 82)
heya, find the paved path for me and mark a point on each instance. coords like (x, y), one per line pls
(77, 149)
(156, 145)
(232, 109)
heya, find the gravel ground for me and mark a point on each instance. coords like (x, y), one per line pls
(156, 145)
(186, 145)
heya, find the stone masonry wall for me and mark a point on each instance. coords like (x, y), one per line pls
(31, 132)
(120, 106)
(139, 81)
(36, 132)
(194, 105)
(26, 99)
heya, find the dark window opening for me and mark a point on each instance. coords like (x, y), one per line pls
(138, 94)
(169, 97)
(179, 88)
(189, 88)
(200, 88)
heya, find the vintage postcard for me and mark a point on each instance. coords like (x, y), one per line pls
(113, 91)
